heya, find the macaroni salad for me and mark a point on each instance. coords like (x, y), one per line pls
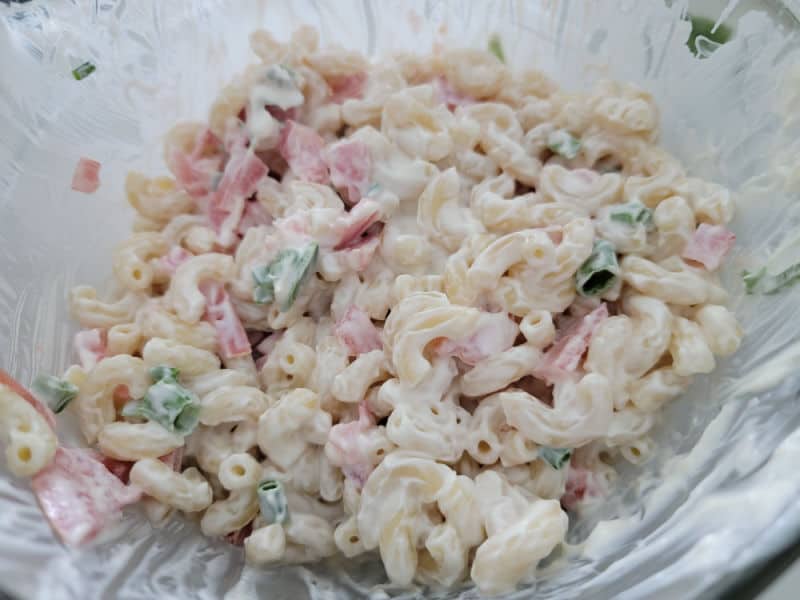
(418, 307)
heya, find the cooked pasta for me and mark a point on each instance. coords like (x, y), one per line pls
(396, 307)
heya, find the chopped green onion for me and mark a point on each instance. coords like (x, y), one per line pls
(704, 27)
(288, 69)
(166, 402)
(374, 188)
(83, 71)
(56, 392)
(496, 48)
(164, 373)
(555, 457)
(564, 143)
(272, 501)
(281, 279)
(752, 279)
(282, 76)
(632, 213)
(761, 282)
(599, 272)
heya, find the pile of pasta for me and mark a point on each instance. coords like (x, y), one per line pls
(419, 306)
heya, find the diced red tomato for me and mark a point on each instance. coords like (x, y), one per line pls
(41, 408)
(345, 87)
(495, 337)
(357, 256)
(347, 441)
(358, 221)
(555, 233)
(450, 96)
(290, 114)
(238, 537)
(195, 169)
(120, 468)
(173, 259)
(231, 336)
(302, 148)
(86, 178)
(174, 459)
(564, 356)
(79, 496)
(357, 332)
(350, 166)
(90, 345)
(254, 215)
(709, 245)
(195, 176)
(242, 173)
(582, 484)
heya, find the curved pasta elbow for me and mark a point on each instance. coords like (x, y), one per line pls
(187, 491)
(30, 440)
(689, 349)
(265, 545)
(722, 331)
(507, 557)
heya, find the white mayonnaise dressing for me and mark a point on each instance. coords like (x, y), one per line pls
(711, 507)
(393, 169)
(280, 89)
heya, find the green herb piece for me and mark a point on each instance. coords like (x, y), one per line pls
(281, 279)
(288, 69)
(166, 402)
(555, 457)
(272, 501)
(599, 272)
(752, 279)
(56, 392)
(761, 282)
(704, 27)
(562, 142)
(83, 71)
(496, 48)
(164, 373)
(632, 213)
(373, 189)
(282, 76)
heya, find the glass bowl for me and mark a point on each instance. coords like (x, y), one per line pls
(720, 496)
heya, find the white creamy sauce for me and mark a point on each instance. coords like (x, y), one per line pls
(711, 509)
(278, 89)
(404, 176)
(773, 372)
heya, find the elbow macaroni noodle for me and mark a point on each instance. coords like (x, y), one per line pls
(446, 323)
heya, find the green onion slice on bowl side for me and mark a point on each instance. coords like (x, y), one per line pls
(83, 71)
(762, 282)
(495, 47)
